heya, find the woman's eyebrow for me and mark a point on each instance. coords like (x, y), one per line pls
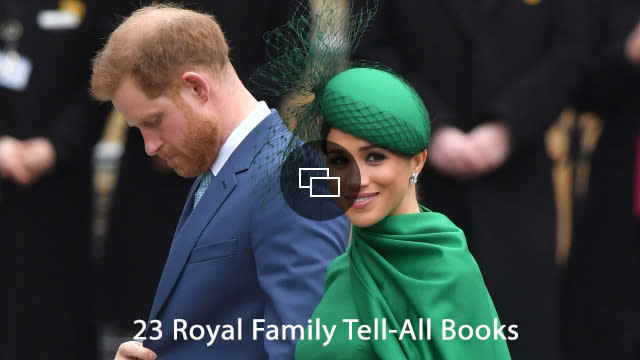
(335, 151)
(369, 147)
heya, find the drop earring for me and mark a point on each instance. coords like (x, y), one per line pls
(414, 178)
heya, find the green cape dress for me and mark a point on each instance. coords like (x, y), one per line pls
(389, 294)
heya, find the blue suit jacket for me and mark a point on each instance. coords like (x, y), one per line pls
(242, 253)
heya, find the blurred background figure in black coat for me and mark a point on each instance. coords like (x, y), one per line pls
(48, 126)
(494, 75)
(603, 298)
(140, 221)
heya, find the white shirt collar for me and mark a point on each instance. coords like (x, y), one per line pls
(239, 133)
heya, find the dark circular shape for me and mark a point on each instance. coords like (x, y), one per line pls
(320, 180)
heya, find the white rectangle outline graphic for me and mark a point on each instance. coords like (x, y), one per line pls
(324, 178)
(310, 186)
(300, 186)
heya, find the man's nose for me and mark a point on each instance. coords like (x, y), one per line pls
(152, 143)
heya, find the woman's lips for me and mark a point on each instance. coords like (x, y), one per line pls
(363, 200)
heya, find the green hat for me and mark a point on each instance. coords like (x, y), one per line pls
(377, 106)
(309, 62)
(310, 59)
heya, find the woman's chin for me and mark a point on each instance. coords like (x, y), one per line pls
(363, 219)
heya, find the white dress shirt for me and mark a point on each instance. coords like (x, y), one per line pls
(239, 133)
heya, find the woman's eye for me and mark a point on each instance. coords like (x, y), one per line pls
(375, 157)
(338, 161)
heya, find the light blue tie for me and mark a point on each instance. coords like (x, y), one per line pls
(204, 184)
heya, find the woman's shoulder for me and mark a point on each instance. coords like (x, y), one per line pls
(337, 269)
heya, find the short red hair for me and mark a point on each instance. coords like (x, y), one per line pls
(154, 45)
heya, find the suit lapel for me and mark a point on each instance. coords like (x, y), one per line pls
(186, 235)
(188, 206)
(193, 222)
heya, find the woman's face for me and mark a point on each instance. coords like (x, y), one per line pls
(383, 188)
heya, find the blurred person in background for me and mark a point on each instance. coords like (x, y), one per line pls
(494, 75)
(603, 300)
(48, 126)
(132, 228)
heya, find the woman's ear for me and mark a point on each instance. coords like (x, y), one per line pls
(195, 85)
(418, 160)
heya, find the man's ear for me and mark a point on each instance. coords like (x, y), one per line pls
(195, 85)
(418, 160)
